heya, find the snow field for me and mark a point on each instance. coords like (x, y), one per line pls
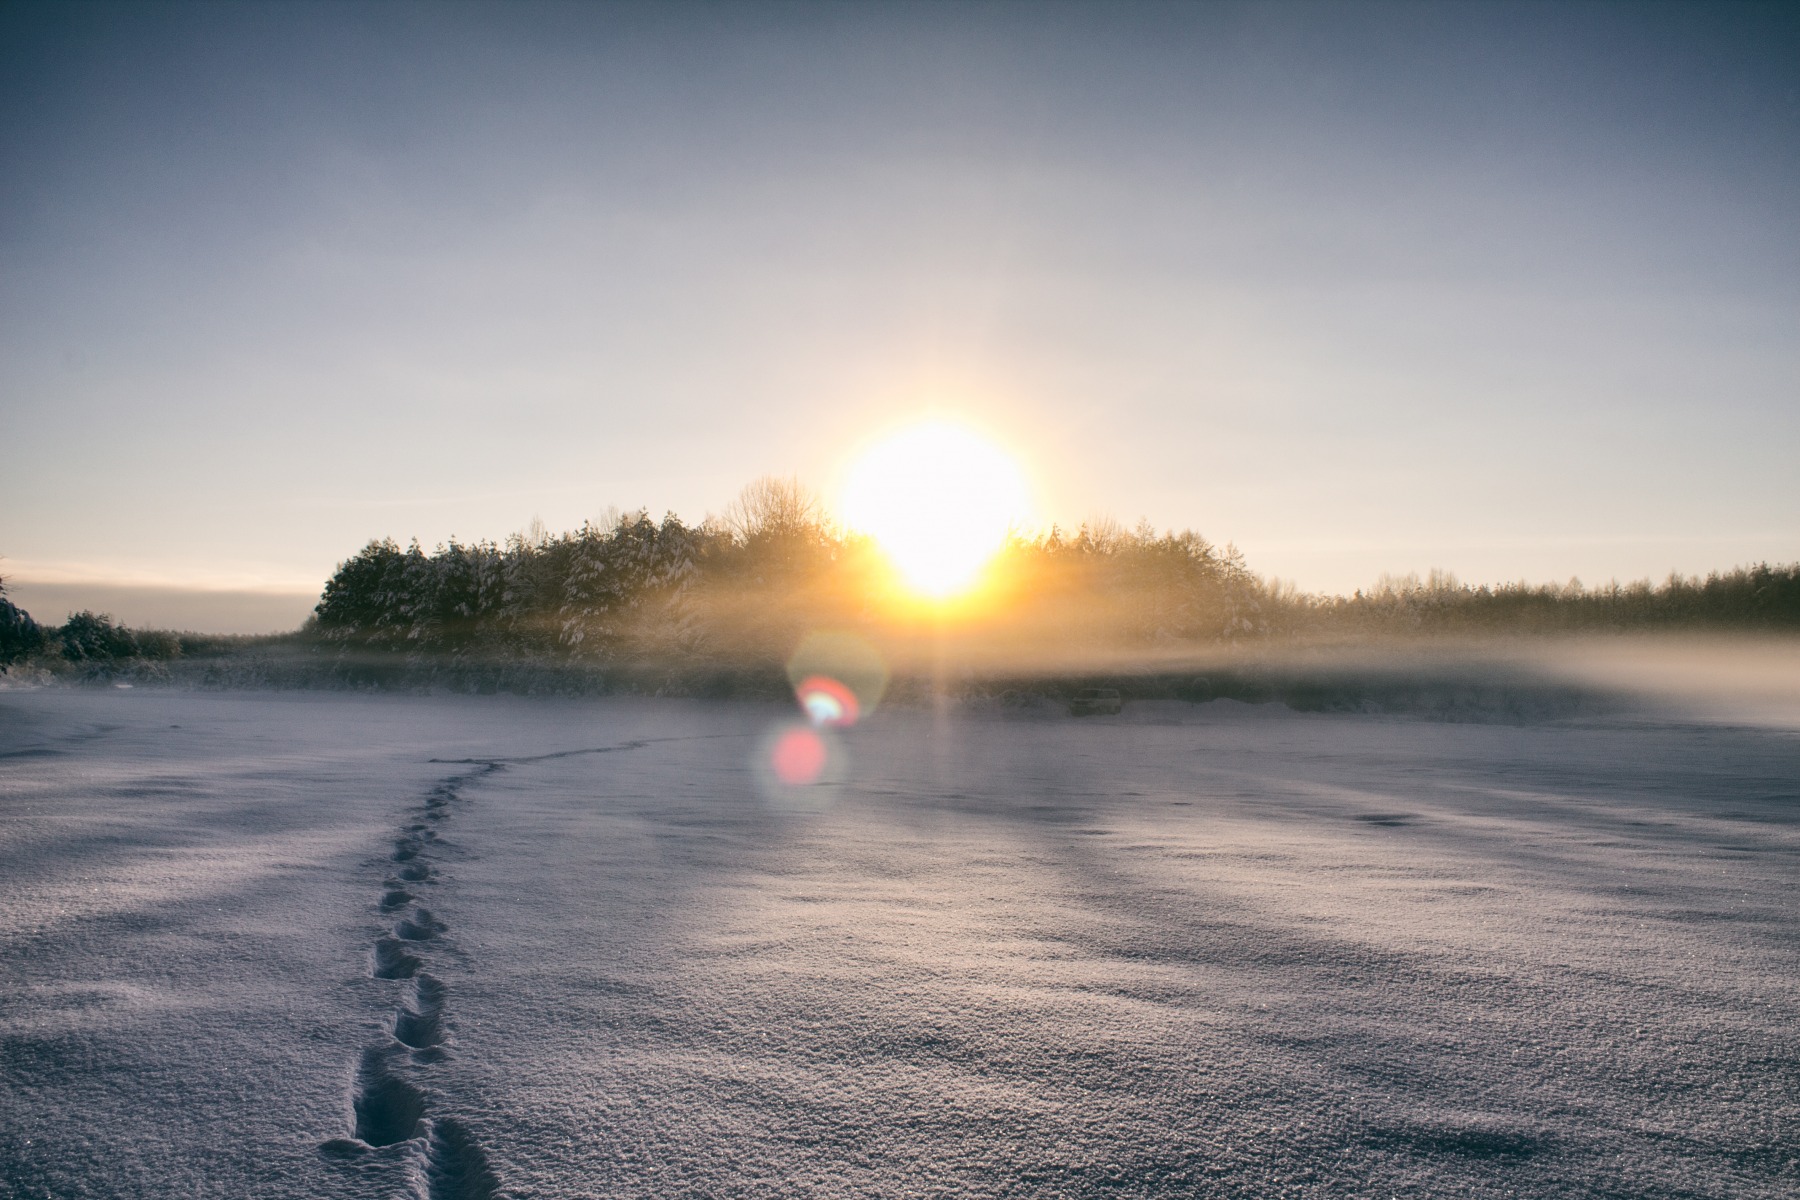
(1210, 951)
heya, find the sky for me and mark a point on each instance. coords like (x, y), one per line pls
(1511, 291)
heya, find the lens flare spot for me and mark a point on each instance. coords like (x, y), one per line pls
(826, 701)
(837, 667)
(798, 757)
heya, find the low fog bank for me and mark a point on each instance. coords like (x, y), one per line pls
(1750, 680)
(1737, 678)
(1714, 678)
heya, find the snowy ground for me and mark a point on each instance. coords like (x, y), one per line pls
(265, 945)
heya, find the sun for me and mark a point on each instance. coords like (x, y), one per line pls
(939, 499)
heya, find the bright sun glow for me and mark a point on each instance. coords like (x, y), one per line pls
(939, 500)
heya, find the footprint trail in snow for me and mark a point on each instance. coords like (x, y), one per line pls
(389, 1107)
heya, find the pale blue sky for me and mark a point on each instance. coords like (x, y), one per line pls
(1508, 290)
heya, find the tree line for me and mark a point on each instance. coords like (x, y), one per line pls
(1754, 598)
(633, 589)
(630, 591)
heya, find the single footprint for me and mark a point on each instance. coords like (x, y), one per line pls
(456, 1167)
(393, 961)
(417, 1031)
(387, 1108)
(419, 1024)
(421, 926)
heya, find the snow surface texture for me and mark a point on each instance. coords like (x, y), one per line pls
(329, 946)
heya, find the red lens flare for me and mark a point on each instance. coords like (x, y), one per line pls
(798, 758)
(826, 701)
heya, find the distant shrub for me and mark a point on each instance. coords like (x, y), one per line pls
(1118, 585)
(95, 637)
(20, 636)
(159, 644)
